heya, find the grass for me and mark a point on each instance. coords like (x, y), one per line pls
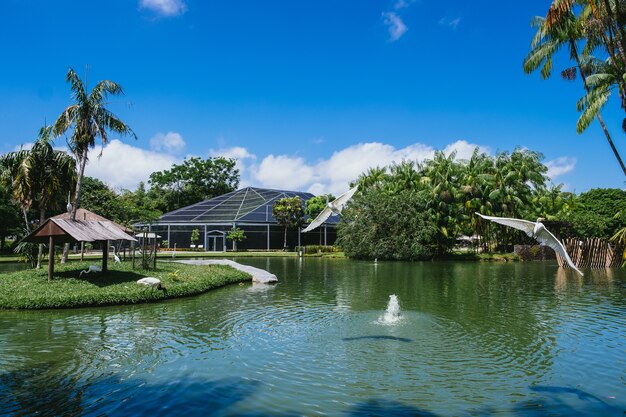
(30, 289)
(482, 257)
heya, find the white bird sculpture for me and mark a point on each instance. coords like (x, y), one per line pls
(153, 283)
(537, 231)
(332, 207)
(92, 268)
(117, 258)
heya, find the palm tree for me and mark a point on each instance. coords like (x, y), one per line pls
(40, 174)
(89, 118)
(564, 29)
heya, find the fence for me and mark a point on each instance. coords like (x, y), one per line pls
(592, 253)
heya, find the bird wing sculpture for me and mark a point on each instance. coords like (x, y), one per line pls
(335, 206)
(537, 231)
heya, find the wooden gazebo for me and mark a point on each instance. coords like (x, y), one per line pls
(59, 230)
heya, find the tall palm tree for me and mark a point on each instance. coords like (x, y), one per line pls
(561, 28)
(89, 118)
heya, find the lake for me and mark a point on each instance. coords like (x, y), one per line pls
(487, 339)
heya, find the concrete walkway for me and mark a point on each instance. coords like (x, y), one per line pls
(258, 275)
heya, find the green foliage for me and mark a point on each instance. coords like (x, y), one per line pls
(236, 235)
(27, 253)
(40, 176)
(195, 235)
(88, 118)
(450, 191)
(10, 221)
(30, 289)
(312, 249)
(288, 213)
(595, 214)
(315, 205)
(381, 225)
(194, 180)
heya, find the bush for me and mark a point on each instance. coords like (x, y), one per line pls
(384, 226)
(310, 249)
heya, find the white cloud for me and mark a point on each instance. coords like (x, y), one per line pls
(560, 166)
(402, 4)
(395, 25)
(170, 142)
(451, 23)
(124, 166)
(284, 172)
(164, 7)
(464, 150)
(342, 167)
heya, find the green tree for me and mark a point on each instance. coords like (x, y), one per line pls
(288, 213)
(195, 235)
(380, 225)
(314, 206)
(194, 180)
(236, 235)
(39, 175)
(99, 198)
(9, 216)
(595, 215)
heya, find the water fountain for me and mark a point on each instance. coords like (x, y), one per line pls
(392, 314)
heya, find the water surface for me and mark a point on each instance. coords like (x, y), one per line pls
(520, 339)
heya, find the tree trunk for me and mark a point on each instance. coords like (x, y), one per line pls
(24, 213)
(79, 181)
(42, 218)
(285, 241)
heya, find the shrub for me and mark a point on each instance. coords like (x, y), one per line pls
(387, 226)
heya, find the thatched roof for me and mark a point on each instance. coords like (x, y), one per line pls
(86, 215)
(66, 230)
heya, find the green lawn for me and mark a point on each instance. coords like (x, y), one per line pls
(30, 289)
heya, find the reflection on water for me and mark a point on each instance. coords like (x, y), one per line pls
(524, 339)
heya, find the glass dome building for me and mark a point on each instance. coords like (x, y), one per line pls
(249, 209)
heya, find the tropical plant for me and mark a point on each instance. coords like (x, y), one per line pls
(236, 235)
(89, 119)
(288, 213)
(39, 175)
(567, 24)
(195, 235)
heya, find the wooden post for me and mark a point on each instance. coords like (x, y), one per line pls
(82, 251)
(50, 258)
(132, 248)
(155, 251)
(105, 255)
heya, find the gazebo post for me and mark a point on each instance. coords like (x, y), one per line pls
(105, 255)
(50, 258)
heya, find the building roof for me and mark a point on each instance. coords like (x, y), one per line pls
(247, 205)
(66, 230)
(86, 215)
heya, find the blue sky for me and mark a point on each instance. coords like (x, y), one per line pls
(305, 94)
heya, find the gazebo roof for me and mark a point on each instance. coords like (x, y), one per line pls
(86, 215)
(66, 230)
(247, 205)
